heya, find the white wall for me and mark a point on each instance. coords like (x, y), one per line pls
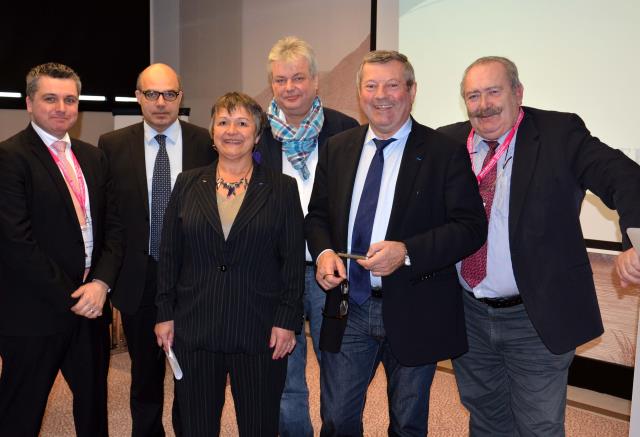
(573, 55)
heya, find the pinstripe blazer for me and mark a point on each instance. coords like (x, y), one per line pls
(226, 295)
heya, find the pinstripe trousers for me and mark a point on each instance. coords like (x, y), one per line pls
(257, 382)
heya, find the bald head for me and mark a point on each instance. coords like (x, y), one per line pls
(159, 69)
(159, 113)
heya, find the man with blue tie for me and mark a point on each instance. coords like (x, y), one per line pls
(145, 159)
(402, 199)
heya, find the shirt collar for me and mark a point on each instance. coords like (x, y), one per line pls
(172, 133)
(400, 134)
(49, 139)
(478, 141)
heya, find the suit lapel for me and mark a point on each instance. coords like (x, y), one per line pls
(524, 162)
(346, 167)
(204, 192)
(42, 153)
(412, 159)
(90, 179)
(190, 153)
(255, 197)
(136, 148)
(271, 150)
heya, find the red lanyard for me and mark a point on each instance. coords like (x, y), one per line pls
(79, 190)
(503, 147)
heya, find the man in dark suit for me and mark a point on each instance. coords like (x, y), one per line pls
(299, 126)
(139, 155)
(60, 251)
(529, 293)
(403, 196)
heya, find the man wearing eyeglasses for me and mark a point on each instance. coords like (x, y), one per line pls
(145, 160)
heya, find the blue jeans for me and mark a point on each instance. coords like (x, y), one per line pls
(294, 405)
(345, 377)
(508, 380)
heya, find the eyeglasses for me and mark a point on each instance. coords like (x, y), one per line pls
(343, 308)
(168, 96)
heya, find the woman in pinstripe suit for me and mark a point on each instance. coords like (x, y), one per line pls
(230, 279)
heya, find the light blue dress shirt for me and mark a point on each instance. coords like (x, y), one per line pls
(174, 150)
(392, 159)
(500, 281)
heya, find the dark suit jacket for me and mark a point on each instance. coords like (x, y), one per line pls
(270, 149)
(42, 257)
(437, 212)
(124, 149)
(556, 159)
(226, 295)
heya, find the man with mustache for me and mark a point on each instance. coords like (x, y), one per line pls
(146, 159)
(529, 293)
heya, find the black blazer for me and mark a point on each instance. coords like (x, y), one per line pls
(437, 212)
(270, 149)
(41, 247)
(226, 295)
(556, 159)
(124, 149)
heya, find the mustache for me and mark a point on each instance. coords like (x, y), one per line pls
(486, 112)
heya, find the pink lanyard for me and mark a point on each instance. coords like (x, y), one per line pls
(79, 191)
(503, 147)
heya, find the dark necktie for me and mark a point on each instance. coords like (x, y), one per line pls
(474, 268)
(359, 280)
(160, 192)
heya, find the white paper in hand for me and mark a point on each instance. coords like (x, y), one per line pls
(173, 362)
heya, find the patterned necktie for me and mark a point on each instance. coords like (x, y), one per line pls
(160, 192)
(474, 268)
(71, 179)
(359, 280)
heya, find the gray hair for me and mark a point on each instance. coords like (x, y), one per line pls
(50, 69)
(509, 67)
(233, 100)
(383, 57)
(290, 48)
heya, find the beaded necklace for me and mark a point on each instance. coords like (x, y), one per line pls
(231, 187)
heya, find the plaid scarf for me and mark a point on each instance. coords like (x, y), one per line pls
(297, 144)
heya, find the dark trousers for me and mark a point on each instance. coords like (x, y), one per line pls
(30, 366)
(256, 385)
(147, 363)
(508, 380)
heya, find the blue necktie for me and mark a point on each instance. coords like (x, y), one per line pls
(160, 193)
(359, 280)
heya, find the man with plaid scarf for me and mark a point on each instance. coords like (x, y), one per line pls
(300, 125)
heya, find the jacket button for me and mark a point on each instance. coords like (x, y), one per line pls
(222, 268)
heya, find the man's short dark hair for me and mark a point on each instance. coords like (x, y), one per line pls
(50, 69)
